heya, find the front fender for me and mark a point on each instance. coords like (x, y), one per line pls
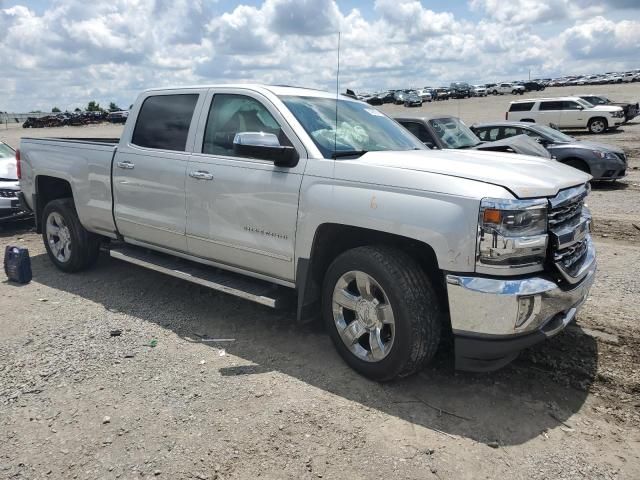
(447, 223)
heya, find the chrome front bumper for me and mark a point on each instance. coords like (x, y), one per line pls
(486, 311)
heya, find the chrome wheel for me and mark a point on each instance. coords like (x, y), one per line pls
(598, 126)
(363, 316)
(58, 237)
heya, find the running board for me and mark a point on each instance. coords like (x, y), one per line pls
(258, 291)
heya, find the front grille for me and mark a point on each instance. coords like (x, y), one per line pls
(622, 157)
(6, 193)
(568, 231)
(565, 214)
(570, 257)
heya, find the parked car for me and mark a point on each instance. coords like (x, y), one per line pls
(33, 122)
(399, 97)
(601, 161)
(118, 117)
(412, 99)
(9, 186)
(566, 113)
(478, 91)
(459, 90)
(445, 132)
(533, 86)
(503, 88)
(631, 110)
(425, 94)
(441, 93)
(393, 244)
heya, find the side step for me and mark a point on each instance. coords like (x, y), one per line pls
(259, 291)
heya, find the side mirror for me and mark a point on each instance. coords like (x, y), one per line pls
(580, 107)
(264, 146)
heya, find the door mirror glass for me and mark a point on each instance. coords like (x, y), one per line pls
(264, 146)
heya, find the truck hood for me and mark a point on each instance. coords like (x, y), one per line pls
(523, 175)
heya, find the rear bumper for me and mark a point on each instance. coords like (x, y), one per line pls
(11, 208)
(484, 313)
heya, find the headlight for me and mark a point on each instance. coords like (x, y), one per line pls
(512, 235)
(607, 155)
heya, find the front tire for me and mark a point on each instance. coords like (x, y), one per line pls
(597, 125)
(71, 248)
(381, 312)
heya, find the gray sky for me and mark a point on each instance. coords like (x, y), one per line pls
(65, 53)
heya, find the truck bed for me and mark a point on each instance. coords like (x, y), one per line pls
(85, 164)
(107, 141)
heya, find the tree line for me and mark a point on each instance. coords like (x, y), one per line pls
(92, 106)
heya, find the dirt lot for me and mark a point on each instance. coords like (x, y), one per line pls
(277, 402)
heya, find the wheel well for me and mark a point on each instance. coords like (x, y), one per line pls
(333, 239)
(598, 118)
(577, 163)
(47, 189)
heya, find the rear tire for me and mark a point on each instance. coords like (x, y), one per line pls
(71, 248)
(365, 287)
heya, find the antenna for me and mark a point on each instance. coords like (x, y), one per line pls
(335, 131)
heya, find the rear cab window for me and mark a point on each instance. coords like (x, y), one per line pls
(163, 122)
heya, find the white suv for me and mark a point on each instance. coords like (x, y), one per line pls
(566, 113)
(502, 88)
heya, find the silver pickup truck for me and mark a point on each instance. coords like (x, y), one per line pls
(279, 194)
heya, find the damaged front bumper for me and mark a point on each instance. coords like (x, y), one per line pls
(493, 319)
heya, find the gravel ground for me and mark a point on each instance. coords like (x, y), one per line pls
(277, 402)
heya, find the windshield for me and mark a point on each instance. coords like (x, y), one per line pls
(7, 163)
(454, 133)
(584, 103)
(360, 126)
(554, 134)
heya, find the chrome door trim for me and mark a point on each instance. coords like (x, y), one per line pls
(242, 247)
(168, 230)
(204, 261)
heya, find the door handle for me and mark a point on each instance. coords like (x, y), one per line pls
(125, 165)
(201, 175)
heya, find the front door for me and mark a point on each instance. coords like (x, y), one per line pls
(573, 115)
(242, 212)
(149, 170)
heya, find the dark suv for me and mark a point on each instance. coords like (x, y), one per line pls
(532, 86)
(460, 90)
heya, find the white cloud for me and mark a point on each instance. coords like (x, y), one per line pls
(75, 50)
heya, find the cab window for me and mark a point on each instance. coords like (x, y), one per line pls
(231, 114)
(421, 132)
(164, 121)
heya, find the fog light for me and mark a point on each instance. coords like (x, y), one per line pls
(528, 307)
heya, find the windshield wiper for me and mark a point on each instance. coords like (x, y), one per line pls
(348, 153)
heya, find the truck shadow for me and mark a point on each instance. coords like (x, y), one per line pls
(539, 392)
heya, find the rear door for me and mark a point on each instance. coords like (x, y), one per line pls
(150, 167)
(241, 211)
(550, 111)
